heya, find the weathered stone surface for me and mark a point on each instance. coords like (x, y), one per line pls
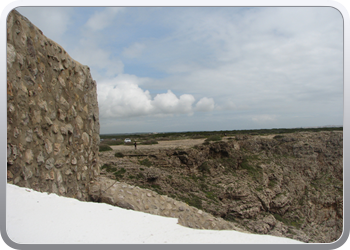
(39, 132)
(68, 172)
(56, 148)
(74, 161)
(11, 55)
(126, 196)
(48, 121)
(11, 108)
(64, 103)
(27, 173)
(64, 130)
(79, 122)
(36, 119)
(48, 146)
(55, 128)
(61, 81)
(28, 156)
(86, 139)
(69, 128)
(60, 162)
(9, 175)
(61, 115)
(40, 158)
(15, 132)
(43, 105)
(8, 150)
(43, 113)
(49, 163)
(29, 135)
(50, 175)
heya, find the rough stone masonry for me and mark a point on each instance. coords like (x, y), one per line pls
(52, 114)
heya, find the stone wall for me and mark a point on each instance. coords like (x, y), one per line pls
(52, 114)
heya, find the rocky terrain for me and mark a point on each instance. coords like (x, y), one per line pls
(284, 185)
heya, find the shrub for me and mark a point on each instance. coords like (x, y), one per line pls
(105, 166)
(278, 137)
(146, 162)
(149, 142)
(230, 217)
(203, 186)
(210, 195)
(155, 186)
(214, 138)
(254, 172)
(140, 176)
(113, 142)
(194, 201)
(120, 173)
(197, 137)
(295, 223)
(204, 168)
(119, 155)
(279, 218)
(108, 168)
(272, 183)
(104, 147)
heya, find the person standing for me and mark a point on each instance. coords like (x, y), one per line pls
(135, 145)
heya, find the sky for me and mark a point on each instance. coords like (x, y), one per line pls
(41, 218)
(165, 69)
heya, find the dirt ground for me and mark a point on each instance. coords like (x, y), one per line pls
(187, 143)
(171, 144)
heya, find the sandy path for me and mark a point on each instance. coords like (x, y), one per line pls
(187, 143)
(267, 136)
(172, 144)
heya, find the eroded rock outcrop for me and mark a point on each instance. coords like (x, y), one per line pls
(287, 185)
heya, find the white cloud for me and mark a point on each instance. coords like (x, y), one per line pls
(205, 104)
(169, 103)
(104, 18)
(122, 97)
